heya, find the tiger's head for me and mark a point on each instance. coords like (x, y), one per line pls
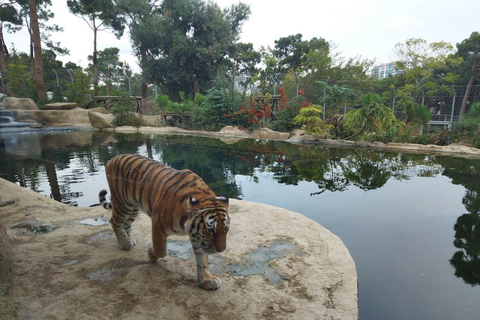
(208, 224)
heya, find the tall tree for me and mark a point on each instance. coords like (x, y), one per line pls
(44, 14)
(422, 62)
(245, 58)
(195, 38)
(469, 50)
(99, 15)
(110, 67)
(143, 22)
(292, 53)
(37, 51)
(270, 73)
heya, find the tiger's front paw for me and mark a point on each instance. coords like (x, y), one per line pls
(128, 245)
(211, 284)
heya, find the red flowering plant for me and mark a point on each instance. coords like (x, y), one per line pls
(288, 109)
(239, 117)
(257, 113)
(282, 102)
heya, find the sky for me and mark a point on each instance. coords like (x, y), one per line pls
(367, 28)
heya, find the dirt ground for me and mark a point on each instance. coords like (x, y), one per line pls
(61, 262)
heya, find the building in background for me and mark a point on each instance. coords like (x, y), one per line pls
(384, 70)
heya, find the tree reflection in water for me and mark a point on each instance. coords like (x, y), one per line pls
(467, 238)
(466, 261)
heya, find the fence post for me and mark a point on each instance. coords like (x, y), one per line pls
(56, 76)
(453, 108)
(71, 77)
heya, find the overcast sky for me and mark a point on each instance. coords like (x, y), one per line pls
(366, 28)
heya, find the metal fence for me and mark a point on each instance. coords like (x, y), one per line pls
(444, 104)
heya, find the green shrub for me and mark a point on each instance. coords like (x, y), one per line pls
(57, 95)
(20, 82)
(283, 120)
(163, 101)
(475, 111)
(122, 109)
(309, 118)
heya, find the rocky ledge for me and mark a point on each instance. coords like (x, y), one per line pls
(62, 262)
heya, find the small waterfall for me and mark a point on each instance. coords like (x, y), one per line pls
(8, 120)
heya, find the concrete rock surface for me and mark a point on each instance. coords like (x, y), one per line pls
(101, 120)
(268, 134)
(60, 106)
(12, 103)
(67, 265)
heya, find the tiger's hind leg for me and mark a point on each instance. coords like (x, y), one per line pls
(128, 224)
(121, 221)
(159, 241)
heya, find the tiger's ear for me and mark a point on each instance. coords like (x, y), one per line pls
(223, 199)
(194, 201)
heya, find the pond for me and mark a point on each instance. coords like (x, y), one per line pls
(411, 222)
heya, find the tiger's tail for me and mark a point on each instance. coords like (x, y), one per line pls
(103, 200)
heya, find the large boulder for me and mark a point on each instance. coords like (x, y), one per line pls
(60, 106)
(268, 134)
(12, 103)
(153, 121)
(100, 120)
(75, 117)
(233, 131)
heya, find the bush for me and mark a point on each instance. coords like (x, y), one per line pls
(122, 109)
(163, 101)
(283, 120)
(20, 82)
(309, 118)
(79, 90)
(467, 129)
(475, 111)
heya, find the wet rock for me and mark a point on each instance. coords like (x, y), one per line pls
(33, 227)
(114, 269)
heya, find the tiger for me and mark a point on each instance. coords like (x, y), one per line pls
(177, 201)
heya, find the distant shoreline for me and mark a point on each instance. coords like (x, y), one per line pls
(298, 137)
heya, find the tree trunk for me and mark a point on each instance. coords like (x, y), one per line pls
(37, 49)
(194, 82)
(144, 83)
(3, 52)
(296, 81)
(469, 87)
(94, 60)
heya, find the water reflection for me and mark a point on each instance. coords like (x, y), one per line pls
(466, 261)
(70, 168)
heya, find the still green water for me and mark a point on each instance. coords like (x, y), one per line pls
(411, 222)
